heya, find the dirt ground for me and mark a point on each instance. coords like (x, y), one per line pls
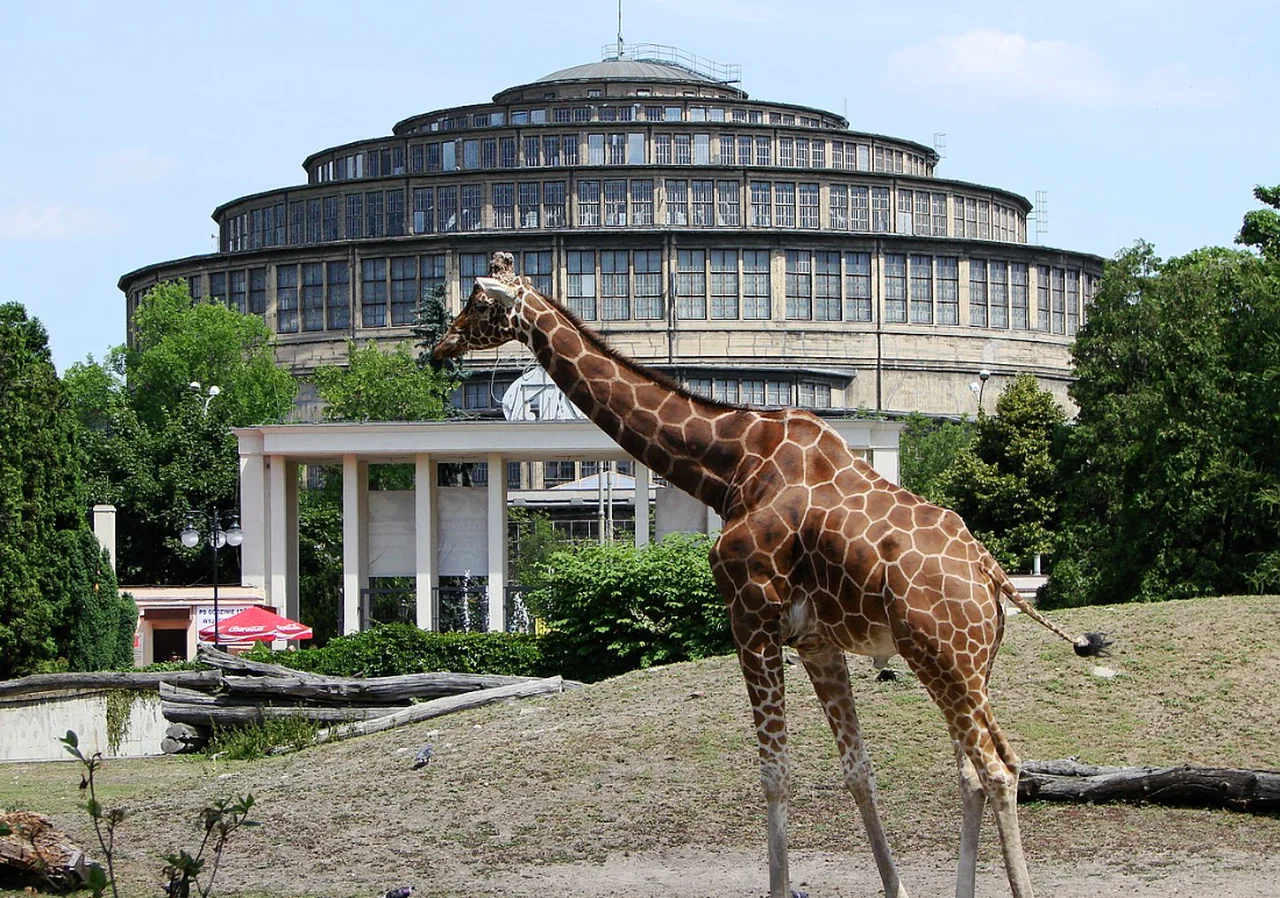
(646, 785)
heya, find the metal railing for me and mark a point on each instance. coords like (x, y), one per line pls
(457, 609)
(724, 72)
(388, 606)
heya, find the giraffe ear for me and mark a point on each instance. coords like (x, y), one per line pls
(496, 290)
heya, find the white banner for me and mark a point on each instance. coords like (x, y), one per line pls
(204, 617)
(391, 534)
(464, 531)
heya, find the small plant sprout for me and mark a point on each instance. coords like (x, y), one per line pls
(182, 869)
(105, 820)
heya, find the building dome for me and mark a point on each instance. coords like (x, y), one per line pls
(624, 70)
(761, 252)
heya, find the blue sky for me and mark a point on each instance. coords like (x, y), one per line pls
(123, 125)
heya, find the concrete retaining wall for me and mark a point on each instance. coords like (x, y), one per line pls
(31, 726)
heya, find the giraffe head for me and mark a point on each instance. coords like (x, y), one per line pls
(487, 320)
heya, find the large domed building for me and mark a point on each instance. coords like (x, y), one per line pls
(760, 252)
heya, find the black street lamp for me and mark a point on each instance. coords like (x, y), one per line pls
(220, 530)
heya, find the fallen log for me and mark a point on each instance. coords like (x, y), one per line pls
(371, 691)
(180, 705)
(35, 853)
(107, 679)
(436, 708)
(226, 661)
(248, 715)
(1198, 787)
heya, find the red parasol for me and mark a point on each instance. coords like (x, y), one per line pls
(256, 625)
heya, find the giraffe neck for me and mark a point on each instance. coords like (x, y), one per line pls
(694, 444)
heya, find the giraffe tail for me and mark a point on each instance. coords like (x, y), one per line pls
(1086, 645)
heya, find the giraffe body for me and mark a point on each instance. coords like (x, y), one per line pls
(817, 551)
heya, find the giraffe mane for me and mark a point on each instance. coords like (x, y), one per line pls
(598, 343)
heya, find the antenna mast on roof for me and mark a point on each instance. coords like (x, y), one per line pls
(619, 29)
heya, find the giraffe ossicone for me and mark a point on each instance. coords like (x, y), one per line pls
(817, 551)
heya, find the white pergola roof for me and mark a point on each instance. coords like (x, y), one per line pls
(471, 440)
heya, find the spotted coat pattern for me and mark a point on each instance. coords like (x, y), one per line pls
(817, 551)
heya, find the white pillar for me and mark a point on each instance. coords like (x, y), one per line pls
(104, 528)
(642, 506)
(497, 517)
(283, 540)
(424, 540)
(253, 513)
(355, 529)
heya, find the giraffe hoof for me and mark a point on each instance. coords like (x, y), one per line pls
(887, 675)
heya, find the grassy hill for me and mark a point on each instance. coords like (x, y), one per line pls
(662, 764)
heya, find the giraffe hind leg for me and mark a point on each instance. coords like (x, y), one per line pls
(987, 751)
(829, 671)
(974, 800)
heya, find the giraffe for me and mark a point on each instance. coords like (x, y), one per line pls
(817, 552)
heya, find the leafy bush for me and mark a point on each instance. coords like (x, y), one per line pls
(613, 608)
(393, 649)
(248, 743)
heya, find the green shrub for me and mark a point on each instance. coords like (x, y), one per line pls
(248, 743)
(613, 608)
(394, 649)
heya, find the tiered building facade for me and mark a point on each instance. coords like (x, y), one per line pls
(760, 252)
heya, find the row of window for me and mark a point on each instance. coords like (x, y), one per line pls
(554, 473)
(717, 284)
(621, 202)
(648, 111)
(477, 395)
(619, 148)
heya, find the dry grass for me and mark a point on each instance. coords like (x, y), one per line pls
(663, 761)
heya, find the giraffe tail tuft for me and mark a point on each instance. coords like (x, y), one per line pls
(1092, 645)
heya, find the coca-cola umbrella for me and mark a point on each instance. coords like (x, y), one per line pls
(256, 625)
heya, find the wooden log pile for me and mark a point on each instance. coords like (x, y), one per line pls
(244, 693)
(1199, 787)
(35, 854)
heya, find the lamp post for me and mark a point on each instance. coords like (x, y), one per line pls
(980, 387)
(220, 530)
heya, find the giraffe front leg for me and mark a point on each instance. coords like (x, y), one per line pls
(829, 671)
(762, 668)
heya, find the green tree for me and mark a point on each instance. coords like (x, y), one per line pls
(1261, 228)
(431, 322)
(156, 447)
(54, 587)
(1006, 483)
(382, 386)
(929, 448)
(1177, 443)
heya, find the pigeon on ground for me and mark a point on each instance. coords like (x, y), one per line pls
(401, 892)
(420, 760)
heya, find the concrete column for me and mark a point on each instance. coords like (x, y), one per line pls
(355, 530)
(254, 510)
(962, 272)
(642, 506)
(283, 592)
(497, 517)
(425, 540)
(104, 528)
